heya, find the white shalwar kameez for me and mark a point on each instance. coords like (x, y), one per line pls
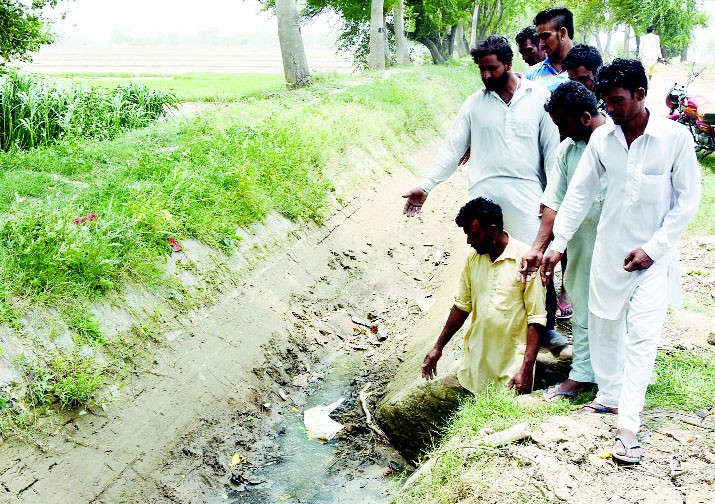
(510, 145)
(653, 193)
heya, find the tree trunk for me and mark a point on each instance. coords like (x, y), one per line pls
(376, 57)
(626, 41)
(638, 44)
(607, 52)
(684, 54)
(437, 57)
(450, 41)
(599, 46)
(475, 23)
(385, 42)
(295, 64)
(403, 55)
(458, 37)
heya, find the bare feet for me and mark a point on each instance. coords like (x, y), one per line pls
(626, 447)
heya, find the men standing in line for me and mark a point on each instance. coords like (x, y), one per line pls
(649, 51)
(503, 337)
(555, 30)
(512, 140)
(574, 110)
(528, 42)
(581, 63)
(653, 192)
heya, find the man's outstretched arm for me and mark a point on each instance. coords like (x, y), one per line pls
(453, 148)
(454, 323)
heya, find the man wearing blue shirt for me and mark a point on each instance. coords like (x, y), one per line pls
(555, 30)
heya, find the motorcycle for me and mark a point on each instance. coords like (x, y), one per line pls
(696, 112)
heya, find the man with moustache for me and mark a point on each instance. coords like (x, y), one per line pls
(512, 139)
(653, 192)
(555, 30)
(574, 110)
(503, 337)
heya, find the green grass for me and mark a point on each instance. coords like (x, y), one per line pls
(206, 87)
(69, 379)
(684, 380)
(703, 223)
(205, 177)
(456, 477)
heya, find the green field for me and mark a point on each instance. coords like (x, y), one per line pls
(206, 87)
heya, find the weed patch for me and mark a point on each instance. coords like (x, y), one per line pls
(67, 379)
(684, 380)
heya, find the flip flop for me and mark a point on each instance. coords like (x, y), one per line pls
(554, 393)
(600, 408)
(627, 446)
(563, 311)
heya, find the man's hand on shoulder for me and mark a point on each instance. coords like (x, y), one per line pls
(530, 263)
(637, 260)
(429, 366)
(415, 199)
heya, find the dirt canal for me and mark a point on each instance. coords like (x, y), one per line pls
(218, 416)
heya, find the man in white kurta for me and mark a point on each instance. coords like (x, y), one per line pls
(653, 192)
(512, 139)
(649, 51)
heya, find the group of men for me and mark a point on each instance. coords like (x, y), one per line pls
(548, 168)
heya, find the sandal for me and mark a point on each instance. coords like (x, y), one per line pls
(599, 408)
(626, 446)
(564, 311)
(554, 393)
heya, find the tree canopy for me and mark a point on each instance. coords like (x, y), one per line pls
(23, 28)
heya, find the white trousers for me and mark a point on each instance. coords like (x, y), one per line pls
(623, 351)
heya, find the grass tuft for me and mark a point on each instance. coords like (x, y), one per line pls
(684, 380)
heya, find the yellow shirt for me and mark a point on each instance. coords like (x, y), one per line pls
(501, 308)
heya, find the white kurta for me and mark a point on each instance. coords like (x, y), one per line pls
(510, 145)
(649, 49)
(653, 193)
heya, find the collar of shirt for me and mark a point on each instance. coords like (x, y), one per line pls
(509, 252)
(651, 128)
(550, 68)
(524, 86)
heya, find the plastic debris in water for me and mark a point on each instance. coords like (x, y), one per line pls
(318, 422)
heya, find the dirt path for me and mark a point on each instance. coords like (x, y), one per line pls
(215, 389)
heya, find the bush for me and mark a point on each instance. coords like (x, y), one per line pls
(33, 112)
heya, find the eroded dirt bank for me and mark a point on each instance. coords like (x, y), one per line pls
(224, 384)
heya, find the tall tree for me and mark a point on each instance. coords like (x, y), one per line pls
(376, 58)
(295, 64)
(403, 55)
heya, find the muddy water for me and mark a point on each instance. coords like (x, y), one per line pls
(308, 470)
